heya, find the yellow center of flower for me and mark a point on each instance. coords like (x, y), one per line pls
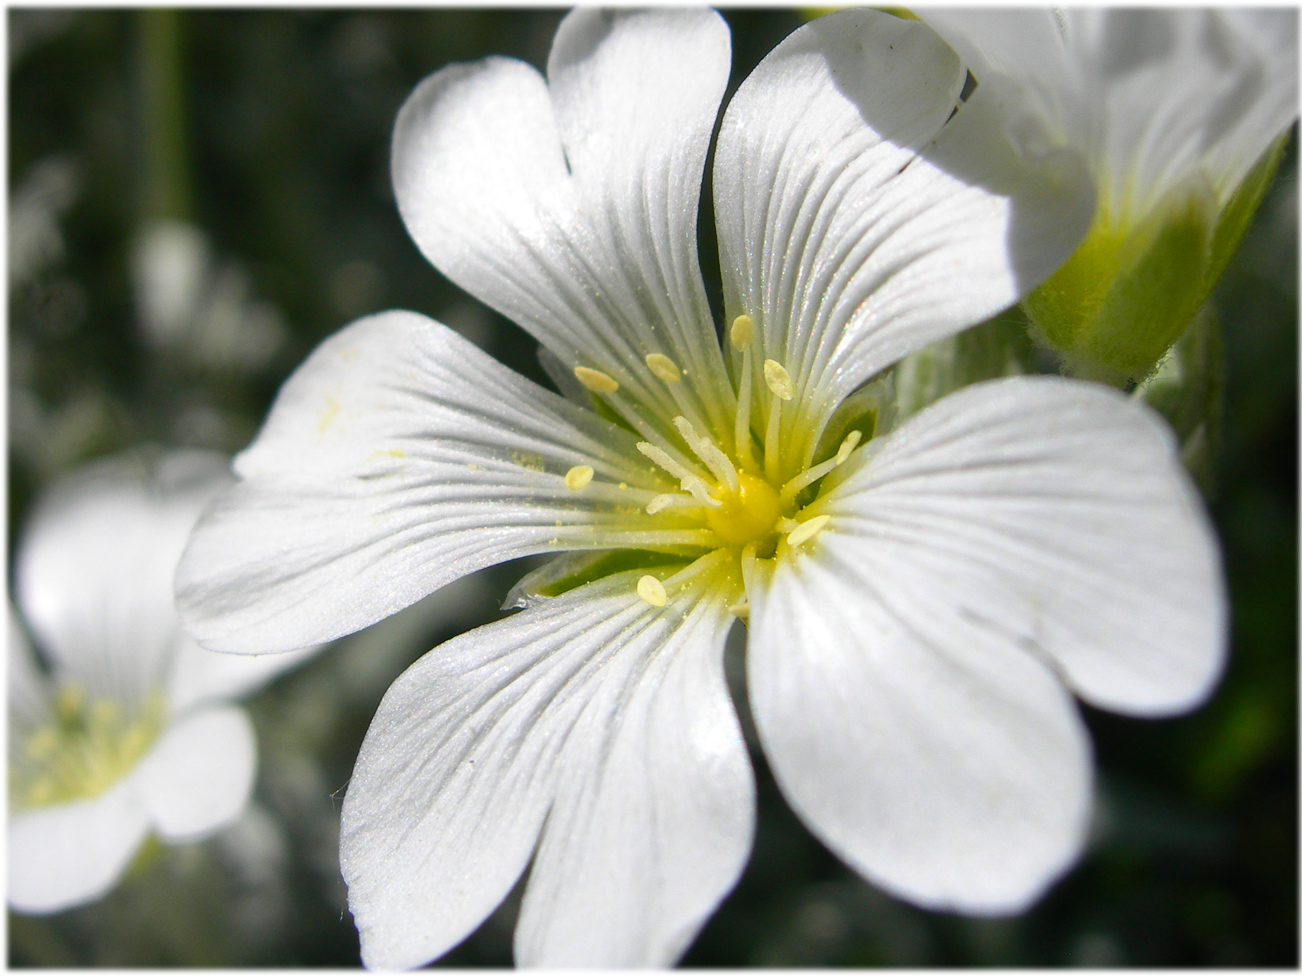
(738, 483)
(748, 514)
(87, 746)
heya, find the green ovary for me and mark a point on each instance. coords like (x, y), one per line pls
(87, 747)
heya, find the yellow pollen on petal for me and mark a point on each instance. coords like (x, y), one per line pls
(595, 380)
(742, 332)
(652, 591)
(805, 531)
(663, 368)
(779, 380)
(578, 477)
(746, 515)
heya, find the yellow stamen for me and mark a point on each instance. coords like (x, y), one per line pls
(779, 380)
(807, 530)
(652, 591)
(707, 452)
(847, 446)
(663, 368)
(742, 332)
(808, 477)
(773, 437)
(671, 500)
(595, 380)
(689, 481)
(578, 477)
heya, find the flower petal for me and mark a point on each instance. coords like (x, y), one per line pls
(940, 761)
(858, 221)
(587, 694)
(1265, 50)
(199, 676)
(1057, 513)
(94, 569)
(200, 773)
(570, 205)
(62, 856)
(400, 457)
(1155, 98)
(29, 688)
(654, 812)
(903, 662)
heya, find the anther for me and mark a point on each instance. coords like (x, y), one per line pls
(779, 380)
(663, 368)
(671, 500)
(595, 380)
(578, 477)
(652, 591)
(690, 482)
(710, 455)
(807, 530)
(847, 446)
(742, 332)
(808, 477)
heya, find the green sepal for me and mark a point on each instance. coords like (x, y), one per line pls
(1112, 311)
(1132, 288)
(1188, 389)
(1242, 207)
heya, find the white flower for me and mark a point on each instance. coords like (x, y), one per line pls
(1156, 100)
(1178, 115)
(130, 731)
(922, 603)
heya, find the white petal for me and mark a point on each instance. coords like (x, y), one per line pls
(1155, 98)
(570, 205)
(67, 855)
(858, 221)
(654, 812)
(1031, 48)
(1057, 514)
(94, 569)
(397, 458)
(1266, 52)
(470, 745)
(29, 688)
(903, 661)
(1175, 85)
(200, 676)
(199, 775)
(940, 761)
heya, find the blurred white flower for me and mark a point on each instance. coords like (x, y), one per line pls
(1177, 114)
(922, 602)
(37, 204)
(130, 731)
(192, 305)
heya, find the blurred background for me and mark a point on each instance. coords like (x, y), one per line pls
(197, 198)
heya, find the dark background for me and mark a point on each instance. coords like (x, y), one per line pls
(269, 132)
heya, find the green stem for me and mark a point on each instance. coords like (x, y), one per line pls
(166, 190)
